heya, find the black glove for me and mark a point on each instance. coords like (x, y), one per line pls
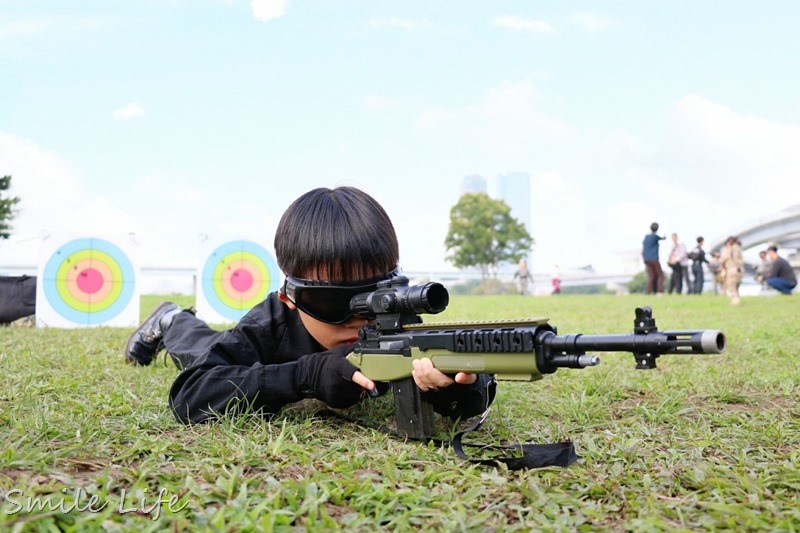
(327, 376)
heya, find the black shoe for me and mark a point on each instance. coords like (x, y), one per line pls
(145, 343)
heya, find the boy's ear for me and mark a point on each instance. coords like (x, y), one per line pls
(285, 299)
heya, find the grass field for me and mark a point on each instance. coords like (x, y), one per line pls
(704, 442)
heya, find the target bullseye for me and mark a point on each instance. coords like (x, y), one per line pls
(88, 281)
(237, 276)
(241, 280)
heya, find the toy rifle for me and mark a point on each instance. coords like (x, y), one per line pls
(524, 349)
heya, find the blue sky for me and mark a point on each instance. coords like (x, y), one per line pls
(177, 119)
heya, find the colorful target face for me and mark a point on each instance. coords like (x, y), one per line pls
(86, 282)
(236, 277)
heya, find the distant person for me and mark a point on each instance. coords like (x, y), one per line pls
(763, 268)
(556, 280)
(781, 276)
(732, 267)
(698, 257)
(652, 262)
(715, 268)
(678, 257)
(685, 268)
(522, 275)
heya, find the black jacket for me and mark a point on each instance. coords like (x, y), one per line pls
(252, 367)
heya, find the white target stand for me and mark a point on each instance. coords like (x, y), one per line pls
(87, 280)
(235, 276)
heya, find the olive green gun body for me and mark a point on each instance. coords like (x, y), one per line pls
(505, 348)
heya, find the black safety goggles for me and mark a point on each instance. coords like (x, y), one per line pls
(329, 301)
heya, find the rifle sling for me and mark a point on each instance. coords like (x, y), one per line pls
(532, 455)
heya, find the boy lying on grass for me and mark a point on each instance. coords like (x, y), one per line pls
(331, 244)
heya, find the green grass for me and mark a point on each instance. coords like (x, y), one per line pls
(704, 442)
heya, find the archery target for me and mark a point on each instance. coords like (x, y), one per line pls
(86, 281)
(236, 276)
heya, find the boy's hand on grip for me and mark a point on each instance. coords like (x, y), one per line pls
(328, 376)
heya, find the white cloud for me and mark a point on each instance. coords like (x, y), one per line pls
(266, 10)
(592, 21)
(53, 197)
(402, 23)
(713, 171)
(737, 159)
(548, 182)
(12, 29)
(521, 24)
(628, 220)
(556, 197)
(378, 102)
(127, 112)
(37, 175)
(20, 28)
(506, 123)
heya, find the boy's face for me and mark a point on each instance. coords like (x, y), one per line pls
(327, 334)
(331, 335)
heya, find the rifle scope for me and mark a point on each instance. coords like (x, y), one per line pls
(395, 296)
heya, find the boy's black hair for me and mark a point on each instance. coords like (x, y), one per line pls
(654, 227)
(339, 234)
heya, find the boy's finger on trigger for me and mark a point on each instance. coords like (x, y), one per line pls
(363, 381)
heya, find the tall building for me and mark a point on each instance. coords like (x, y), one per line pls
(473, 183)
(514, 188)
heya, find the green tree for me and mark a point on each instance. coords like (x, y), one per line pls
(7, 210)
(638, 283)
(484, 234)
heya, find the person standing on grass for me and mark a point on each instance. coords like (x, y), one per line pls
(523, 275)
(732, 264)
(652, 262)
(331, 244)
(556, 280)
(715, 268)
(685, 267)
(781, 276)
(698, 257)
(678, 261)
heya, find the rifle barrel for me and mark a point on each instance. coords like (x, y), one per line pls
(705, 341)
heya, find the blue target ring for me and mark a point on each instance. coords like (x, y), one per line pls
(237, 276)
(88, 281)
